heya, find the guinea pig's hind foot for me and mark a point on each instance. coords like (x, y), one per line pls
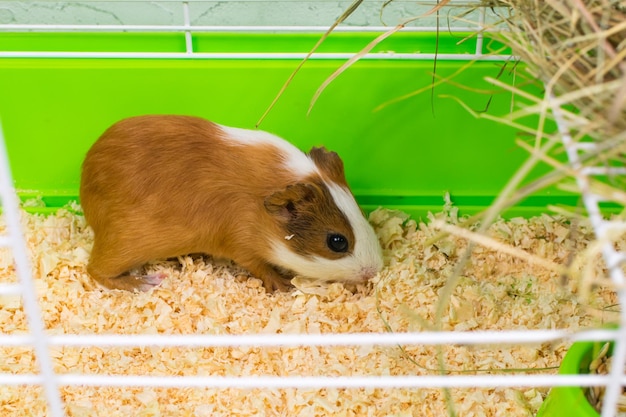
(149, 281)
(134, 282)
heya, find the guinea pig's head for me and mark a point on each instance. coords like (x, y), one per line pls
(324, 234)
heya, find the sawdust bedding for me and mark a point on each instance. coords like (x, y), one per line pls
(496, 291)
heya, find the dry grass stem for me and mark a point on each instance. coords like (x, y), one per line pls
(579, 48)
(494, 244)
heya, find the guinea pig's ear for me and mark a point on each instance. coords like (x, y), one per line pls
(330, 163)
(286, 203)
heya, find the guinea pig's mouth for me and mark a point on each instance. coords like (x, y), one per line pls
(367, 273)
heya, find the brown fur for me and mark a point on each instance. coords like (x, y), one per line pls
(330, 164)
(154, 187)
(299, 210)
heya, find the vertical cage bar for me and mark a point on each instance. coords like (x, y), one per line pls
(601, 228)
(479, 35)
(10, 208)
(187, 24)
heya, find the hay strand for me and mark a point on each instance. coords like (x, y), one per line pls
(575, 47)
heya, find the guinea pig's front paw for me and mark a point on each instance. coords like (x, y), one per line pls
(277, 284)
(272, 279)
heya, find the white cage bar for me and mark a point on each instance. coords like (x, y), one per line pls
(26, 284)
(612, 257)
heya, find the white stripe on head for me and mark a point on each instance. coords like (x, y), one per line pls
(295, 160)
(367, 250)
(365, 260)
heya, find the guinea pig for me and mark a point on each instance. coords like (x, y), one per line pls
(160, 186)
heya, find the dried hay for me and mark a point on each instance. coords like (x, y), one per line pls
(496, 291)
(578, 49)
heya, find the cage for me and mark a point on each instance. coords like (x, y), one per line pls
(415, 121)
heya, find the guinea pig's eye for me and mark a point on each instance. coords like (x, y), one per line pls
(337, 242)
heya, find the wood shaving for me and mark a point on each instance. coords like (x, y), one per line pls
(601, 365)
(201, 296)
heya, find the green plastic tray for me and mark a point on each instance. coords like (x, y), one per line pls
(571, 401)
(405, 156)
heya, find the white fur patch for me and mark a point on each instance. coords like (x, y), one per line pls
(366, 259)
(295, 159)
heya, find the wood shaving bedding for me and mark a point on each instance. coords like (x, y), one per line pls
(200, 296)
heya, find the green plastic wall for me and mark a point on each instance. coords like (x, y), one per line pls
(406, 155)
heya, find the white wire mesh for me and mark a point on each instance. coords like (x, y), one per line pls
(233, 13)
(188, 21)
(182, 20)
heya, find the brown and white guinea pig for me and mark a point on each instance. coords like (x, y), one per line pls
(160, 186)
